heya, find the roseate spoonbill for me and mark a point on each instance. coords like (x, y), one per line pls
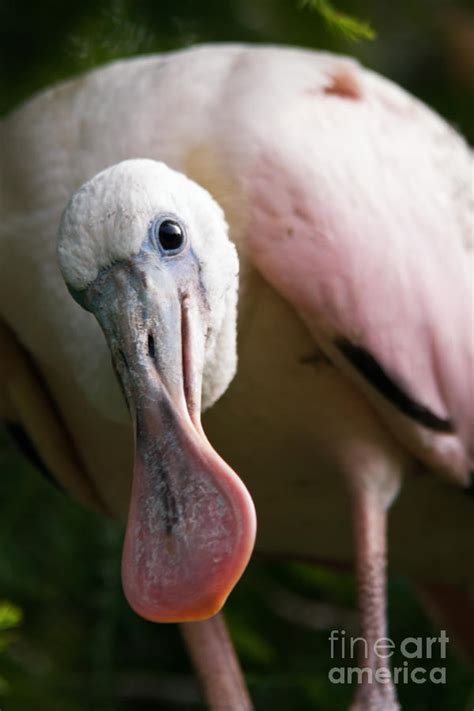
(349, 204)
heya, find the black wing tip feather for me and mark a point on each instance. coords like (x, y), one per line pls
(365, 363)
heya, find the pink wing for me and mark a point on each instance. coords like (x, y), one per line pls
(361, 217)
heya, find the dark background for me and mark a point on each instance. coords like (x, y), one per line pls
(69, 642)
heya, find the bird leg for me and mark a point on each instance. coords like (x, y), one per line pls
(216, 664)
(376, 691)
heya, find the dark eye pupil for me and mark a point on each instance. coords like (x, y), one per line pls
(170, 235)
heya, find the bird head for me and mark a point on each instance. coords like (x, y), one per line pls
(146, 251)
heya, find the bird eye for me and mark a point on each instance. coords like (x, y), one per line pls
(170, 236)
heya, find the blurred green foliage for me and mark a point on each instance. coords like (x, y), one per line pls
(79, 646)
(349, 26)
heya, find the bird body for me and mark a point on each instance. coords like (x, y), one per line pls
(350, 205)
(274, 135)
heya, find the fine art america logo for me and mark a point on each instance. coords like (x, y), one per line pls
(414, 651)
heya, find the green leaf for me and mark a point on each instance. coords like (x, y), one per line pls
(252, 644)
(10, 615)
(353, 28)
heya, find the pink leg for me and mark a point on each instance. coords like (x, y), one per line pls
(216, 664)
(370, 518)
